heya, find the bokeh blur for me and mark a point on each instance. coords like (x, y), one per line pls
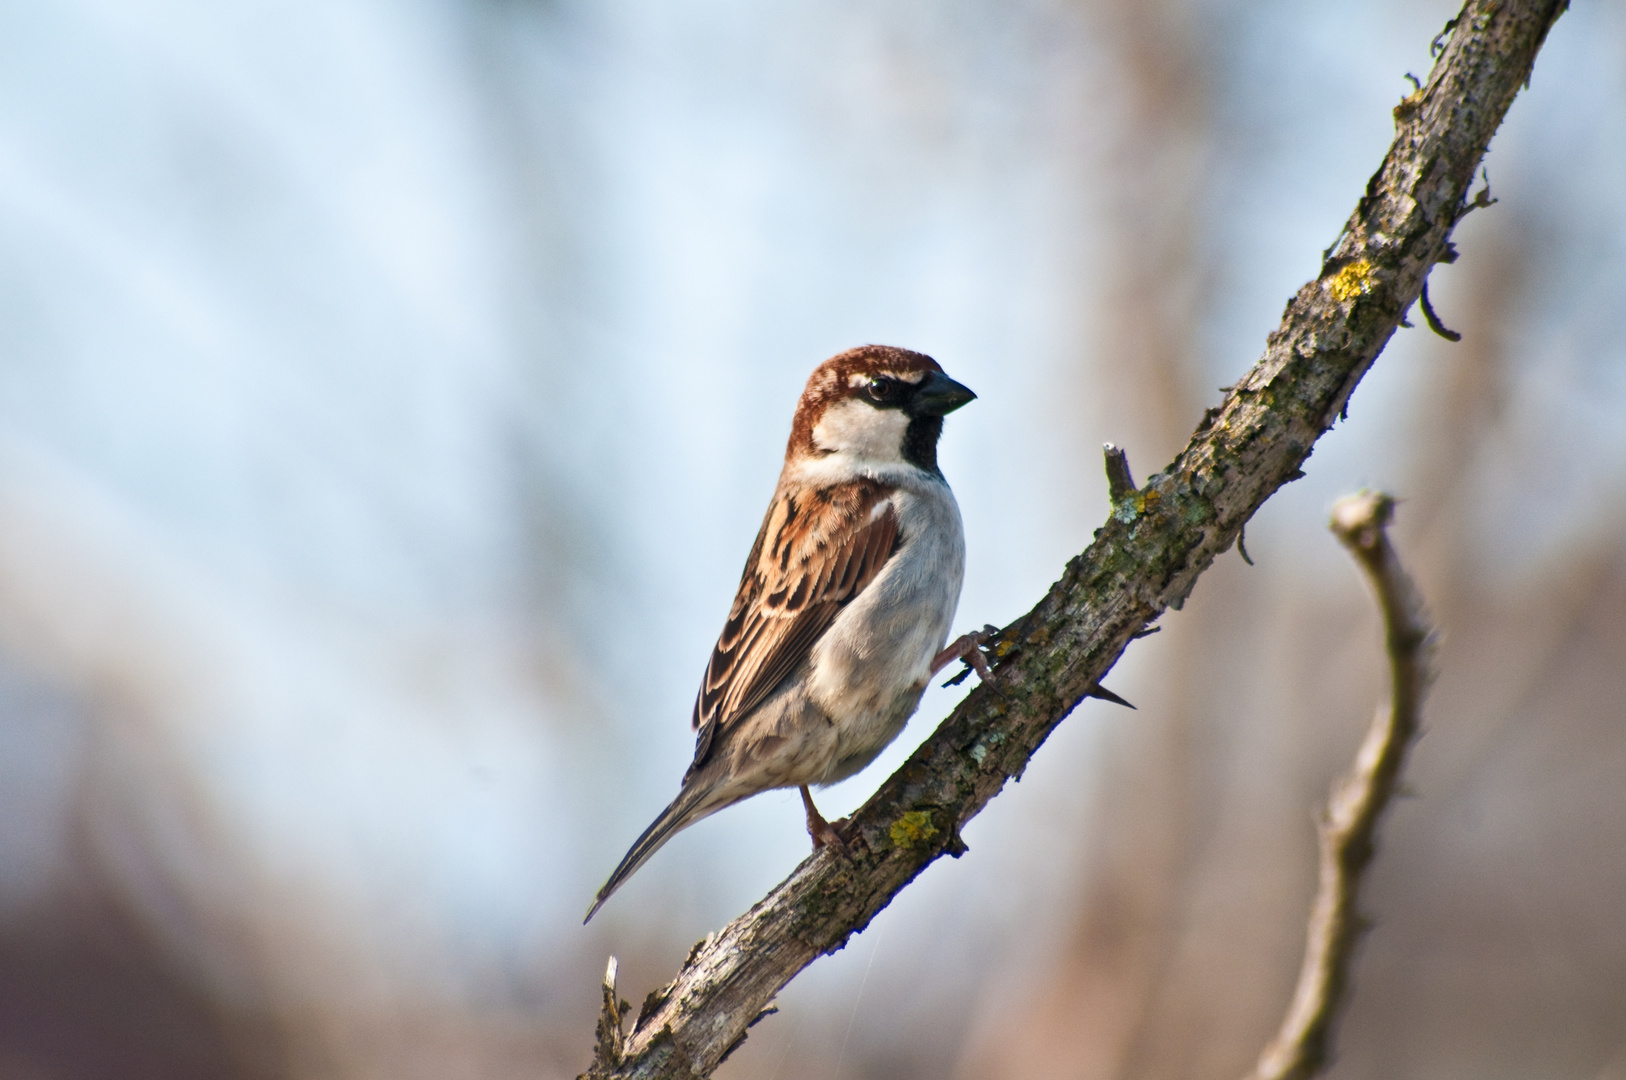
(389, 393)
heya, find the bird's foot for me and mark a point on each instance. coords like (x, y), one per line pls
(967, 648)
(824, 833)
(830, 836)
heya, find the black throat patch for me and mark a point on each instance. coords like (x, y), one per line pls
(920, 442)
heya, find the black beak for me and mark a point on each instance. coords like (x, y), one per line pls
(939, 395)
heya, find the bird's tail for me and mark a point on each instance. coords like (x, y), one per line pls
(694, 802)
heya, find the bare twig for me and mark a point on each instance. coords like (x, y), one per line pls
(611, 1020)
(1120, 484)
(1433, 320)
(1146, 558)
(1349, 826)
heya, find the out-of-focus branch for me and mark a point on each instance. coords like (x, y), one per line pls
(1146, 557)
(1349, 827)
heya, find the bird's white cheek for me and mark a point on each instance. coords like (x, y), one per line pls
(862, 431)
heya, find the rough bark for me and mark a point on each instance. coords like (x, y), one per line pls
(1145, 558)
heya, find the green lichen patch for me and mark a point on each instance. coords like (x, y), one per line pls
(979, 752)
(1137, 504)
(1197, 511)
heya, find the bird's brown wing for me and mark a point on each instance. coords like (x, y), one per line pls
(818, 549)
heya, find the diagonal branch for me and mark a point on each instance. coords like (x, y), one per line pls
(1349, 827)
(1146, 558)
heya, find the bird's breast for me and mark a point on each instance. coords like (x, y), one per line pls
(868, 670)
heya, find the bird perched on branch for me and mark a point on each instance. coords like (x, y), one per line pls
(845, 604)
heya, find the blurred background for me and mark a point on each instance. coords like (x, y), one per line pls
(389, 393)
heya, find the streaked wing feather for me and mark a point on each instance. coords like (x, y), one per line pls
(809, 561)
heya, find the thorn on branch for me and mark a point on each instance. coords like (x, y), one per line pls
(1434, 322)
(1348, 827)
(1120, 484)
(1103, 694)
(1242, 543)
(1482, 198)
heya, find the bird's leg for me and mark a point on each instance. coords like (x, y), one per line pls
(819, 829)
(967, 647)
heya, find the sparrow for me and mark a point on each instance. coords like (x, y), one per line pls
(845, 604)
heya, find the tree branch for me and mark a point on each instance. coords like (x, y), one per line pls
(1348, 829)
(1146, 557)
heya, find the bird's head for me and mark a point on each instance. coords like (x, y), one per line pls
(876, 405)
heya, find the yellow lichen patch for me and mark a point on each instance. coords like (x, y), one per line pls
(912, 828)
(1353, 280)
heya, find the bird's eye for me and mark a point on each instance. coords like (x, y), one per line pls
(884, 391)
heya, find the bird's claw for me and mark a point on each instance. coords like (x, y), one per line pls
(824, 833)
(968, 649)
(830, 836)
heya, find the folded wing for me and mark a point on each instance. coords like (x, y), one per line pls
(817, 551)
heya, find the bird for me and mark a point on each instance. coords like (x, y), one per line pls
(844, 608)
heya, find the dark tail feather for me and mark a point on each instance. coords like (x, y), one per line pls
(1099, 691)
(688, 808)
